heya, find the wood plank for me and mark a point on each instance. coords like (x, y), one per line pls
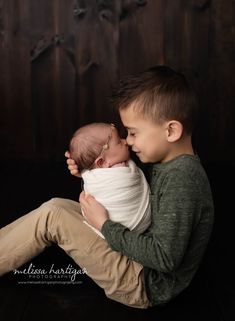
(53, 78)
(15, 80)
(97, 37)
(172, 33)
(141, 36)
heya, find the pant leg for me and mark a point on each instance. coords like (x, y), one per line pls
(26, 237)
(60, 221)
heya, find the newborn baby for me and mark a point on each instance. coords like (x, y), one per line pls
(110, 175)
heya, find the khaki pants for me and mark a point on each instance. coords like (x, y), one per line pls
(60, 221)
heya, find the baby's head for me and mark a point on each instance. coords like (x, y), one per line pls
(98, 145)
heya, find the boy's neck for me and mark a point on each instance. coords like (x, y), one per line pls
(182, 147)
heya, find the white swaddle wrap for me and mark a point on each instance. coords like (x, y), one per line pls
(123, 191)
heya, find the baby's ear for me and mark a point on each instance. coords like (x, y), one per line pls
(99, 162)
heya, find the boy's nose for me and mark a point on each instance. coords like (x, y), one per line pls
(129, 141)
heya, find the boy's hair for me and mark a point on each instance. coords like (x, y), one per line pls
(159, 94)
(87, 144)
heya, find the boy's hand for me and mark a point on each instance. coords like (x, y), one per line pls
(72, 166)
(94, 213)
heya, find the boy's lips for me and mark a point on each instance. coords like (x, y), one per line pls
(137, 153)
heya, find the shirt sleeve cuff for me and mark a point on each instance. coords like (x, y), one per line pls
(105, 230)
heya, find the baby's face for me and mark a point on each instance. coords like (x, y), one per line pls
(118, 150)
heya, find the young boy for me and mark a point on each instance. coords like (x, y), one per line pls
(140, 270)
(108, 174)
(159, 111)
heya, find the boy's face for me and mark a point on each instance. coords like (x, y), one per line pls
(147, 139)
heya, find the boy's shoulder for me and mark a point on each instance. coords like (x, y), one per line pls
(184, 175)
(183, 162)
(185, 167)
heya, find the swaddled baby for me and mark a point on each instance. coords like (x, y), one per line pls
(110, 175)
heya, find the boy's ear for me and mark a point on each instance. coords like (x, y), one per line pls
(174, 131)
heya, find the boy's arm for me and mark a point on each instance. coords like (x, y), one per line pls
(163, 246)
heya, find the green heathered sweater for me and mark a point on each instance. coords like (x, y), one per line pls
(182, 219)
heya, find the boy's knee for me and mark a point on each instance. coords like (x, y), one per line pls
(65, 205)
(54, 202)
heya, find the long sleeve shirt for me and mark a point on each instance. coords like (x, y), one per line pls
(182, 220)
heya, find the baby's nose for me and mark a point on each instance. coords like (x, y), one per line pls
(124, 141)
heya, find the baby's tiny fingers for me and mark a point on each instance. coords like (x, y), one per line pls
(67, 154)
(70, 161)
(74, 171)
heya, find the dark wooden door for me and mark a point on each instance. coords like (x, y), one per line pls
(60, 59)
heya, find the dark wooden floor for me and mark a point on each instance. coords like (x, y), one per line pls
(210, 297)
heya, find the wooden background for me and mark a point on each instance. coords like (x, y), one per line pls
(59, 60)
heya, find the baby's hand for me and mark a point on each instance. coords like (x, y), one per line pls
(72, 166)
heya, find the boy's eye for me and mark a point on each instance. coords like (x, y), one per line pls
(132, 134)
